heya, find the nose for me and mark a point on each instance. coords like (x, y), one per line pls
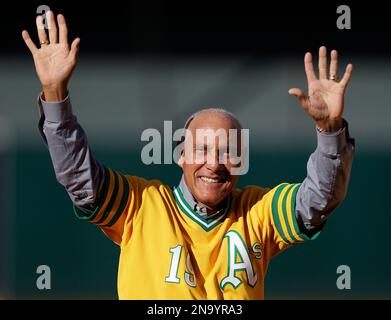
(213, 161)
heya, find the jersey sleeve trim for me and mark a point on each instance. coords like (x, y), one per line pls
(112, 202)
(107, 184)
(123, 203)
(284, 214)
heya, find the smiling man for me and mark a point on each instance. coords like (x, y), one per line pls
(204, 239)
(207, 174)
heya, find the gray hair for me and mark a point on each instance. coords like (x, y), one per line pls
(219, 111)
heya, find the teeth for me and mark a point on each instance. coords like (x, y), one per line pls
(210, 180)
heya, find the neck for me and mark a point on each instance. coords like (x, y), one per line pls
(211, 210)
(199, 207)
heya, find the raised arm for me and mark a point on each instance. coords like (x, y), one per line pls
(328, 168)
(74, 165)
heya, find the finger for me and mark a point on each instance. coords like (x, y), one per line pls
(348, 74)
(334, 63)
(309, 68)
(29, 43)
(74, 48)
(53, 34)
(300, 96)
(63, 29)
(42, 36)
(322, 63)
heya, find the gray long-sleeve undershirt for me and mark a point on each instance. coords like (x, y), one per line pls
(324, 188)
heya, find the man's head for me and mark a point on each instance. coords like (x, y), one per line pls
(211, 143)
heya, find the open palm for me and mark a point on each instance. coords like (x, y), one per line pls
(54, 61)
(325, 99)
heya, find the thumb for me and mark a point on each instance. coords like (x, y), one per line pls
(74, 48)
(299, 95)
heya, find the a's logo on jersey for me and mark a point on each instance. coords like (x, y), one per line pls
(239, 261)
(257, 250)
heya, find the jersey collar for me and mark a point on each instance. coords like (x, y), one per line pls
(183, 193)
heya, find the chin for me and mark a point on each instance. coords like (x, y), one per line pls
(212, 200)
(211, 194)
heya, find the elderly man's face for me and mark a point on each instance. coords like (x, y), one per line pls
(208, 178)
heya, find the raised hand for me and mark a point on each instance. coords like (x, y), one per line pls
(325, 99)
(54, 60)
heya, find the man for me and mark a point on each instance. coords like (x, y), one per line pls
(204, 239)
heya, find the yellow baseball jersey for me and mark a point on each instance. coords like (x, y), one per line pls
(168, 251)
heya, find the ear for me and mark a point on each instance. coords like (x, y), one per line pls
(178, 154)
(181, 160)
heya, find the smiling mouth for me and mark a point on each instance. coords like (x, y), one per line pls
(213, 180)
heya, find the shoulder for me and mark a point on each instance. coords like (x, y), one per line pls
(250, 191)
(252, 194)
(249, 195)
(153, 186)
(135, 184)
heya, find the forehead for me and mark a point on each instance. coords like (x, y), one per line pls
(212, 120)
(213, 127)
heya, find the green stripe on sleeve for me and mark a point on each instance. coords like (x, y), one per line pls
(296, 225)
(285, 213)
(112, 199)
(276, 218)
(88, 216)
(124, 201)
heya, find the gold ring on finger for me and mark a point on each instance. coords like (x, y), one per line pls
(334, 77)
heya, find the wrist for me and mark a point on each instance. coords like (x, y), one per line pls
(330, 126)
(54, 93)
